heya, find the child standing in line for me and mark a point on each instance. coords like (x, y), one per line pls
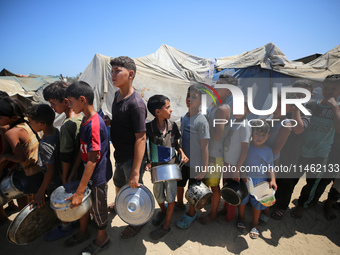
(95, 154)
(217, 135)
(69, 145)
(164, 138)
(318, 138)
(41, 118)
(260, 155)
(195, 140)
(236, 149)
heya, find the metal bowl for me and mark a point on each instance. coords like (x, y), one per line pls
(166, 172)
(135, 206)
(198, 195)
(9, 188)
(234, 192)
(63, 209)
(29, 224)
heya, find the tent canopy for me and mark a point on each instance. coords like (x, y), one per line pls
(170, 71)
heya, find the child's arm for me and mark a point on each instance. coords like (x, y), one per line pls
(137, 159)
(77, 197)
(336, 111)
(241, 159)
(216, 132)
(282, 138)
(296, 115)
(14, 136)
(272, 183)
(205, 157)
(39, 198)
(74, 170)
(184, 158)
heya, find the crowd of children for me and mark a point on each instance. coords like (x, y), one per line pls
(81, 151)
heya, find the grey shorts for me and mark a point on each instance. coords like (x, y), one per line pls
(165, 191)
(98, 210)
(123, 172)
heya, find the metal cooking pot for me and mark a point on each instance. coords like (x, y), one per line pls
(29, 224)
(135, 206)
(234, 192)
(198, 195)
(62, 208)
(166, 172)
(9, 187)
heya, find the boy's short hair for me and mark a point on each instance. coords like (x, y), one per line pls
(332, 79)
(288, 96)
(156, 102)
(303, 83)
(260, 125)
(80, 88)
(228, 79)
(55, 90)
(196, 88)
(3, 94)
(126, 62)
(41, 113)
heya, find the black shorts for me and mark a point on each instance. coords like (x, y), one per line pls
(185, 177)
(98, 210)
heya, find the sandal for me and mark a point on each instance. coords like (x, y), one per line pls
(254, 233)
(73, 241)
(94, 249)
(241, 227)
(130, 231)
(158, 219)
(58, 232)
(263, 220)
(158, 233)
(278, 214)
(185, 221)
(111, 208)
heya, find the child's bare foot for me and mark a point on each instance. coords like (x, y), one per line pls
(329, 212)
(298, 212)
(207, 218)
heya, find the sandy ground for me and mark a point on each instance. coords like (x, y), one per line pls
(312, 234)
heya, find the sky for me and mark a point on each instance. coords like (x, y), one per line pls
(61, 37)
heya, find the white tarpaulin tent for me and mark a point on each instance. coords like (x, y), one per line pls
(170, 71)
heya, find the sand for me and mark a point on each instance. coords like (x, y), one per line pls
(312, 234)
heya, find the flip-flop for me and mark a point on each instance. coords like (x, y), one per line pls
(241, 227)
(278, 214)
(263, 220)
(158, 233)
(94, 249)
(158, 219)
(254, 233)
(73, 241)
(131, 231)
(185, 221)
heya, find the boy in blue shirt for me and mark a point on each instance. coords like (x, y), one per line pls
(260, 155)
(95, 154)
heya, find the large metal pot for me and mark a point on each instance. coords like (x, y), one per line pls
(135, 206)
(198, 195)
(9, 187)
(29, 224)
(166, 172)
(234, 192)
(63, 209)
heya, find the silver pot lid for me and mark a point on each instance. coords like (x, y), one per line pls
(59, 195)
(135, 206)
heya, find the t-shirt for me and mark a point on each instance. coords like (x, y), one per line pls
(259, 160)
(48, 152)
(193, 130)
(128, 118)
(162, 147)
(290, 152)
(216, 147)
(274, 131)
(69, 135)
(237, 134)
(318, 137)
(94, 137)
